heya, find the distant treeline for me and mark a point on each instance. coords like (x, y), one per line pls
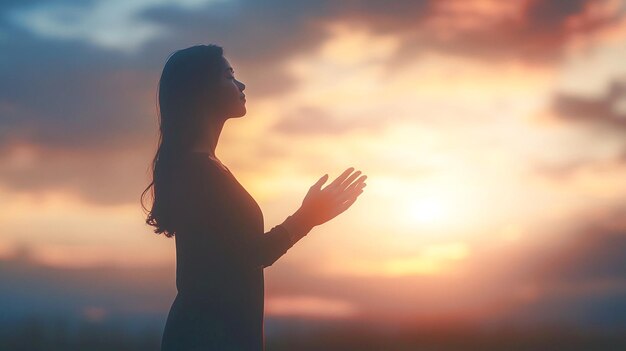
(35, 334)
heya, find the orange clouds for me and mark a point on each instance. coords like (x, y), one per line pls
(309, 307)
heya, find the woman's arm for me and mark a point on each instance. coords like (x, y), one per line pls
(297, 227)
(219, 230)
(215, 228)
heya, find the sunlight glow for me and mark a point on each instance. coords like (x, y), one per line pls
(309, 306)
(428, 211)
(429, 260)
(432, 260)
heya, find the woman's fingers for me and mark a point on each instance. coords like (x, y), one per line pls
(357, 186)
(349, 180)
(356, 191)
(341, 178)
(320, 182)
(342, 193)
(357, 183)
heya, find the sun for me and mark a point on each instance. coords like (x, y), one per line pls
(428, 211)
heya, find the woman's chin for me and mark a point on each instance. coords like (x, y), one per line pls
(242, 112)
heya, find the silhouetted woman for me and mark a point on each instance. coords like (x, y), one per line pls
(221, 248)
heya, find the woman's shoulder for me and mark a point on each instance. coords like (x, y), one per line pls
(195, 168)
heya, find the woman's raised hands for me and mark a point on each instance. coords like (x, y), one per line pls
(321, 205)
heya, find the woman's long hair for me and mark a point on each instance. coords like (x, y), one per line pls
(185, 90)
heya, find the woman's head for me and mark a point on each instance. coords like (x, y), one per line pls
(197, 88)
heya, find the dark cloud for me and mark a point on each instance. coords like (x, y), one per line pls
(604, 114)
(595, 251)
(552, 14)
(31, 289)
(535, 31)
(582, 280)
(258, 37)
(604, 111)
(86, 113)
(102, 176)
(67, 94)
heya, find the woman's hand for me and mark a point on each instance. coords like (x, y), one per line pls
(321, 205)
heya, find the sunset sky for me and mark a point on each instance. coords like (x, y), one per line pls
(493, 135)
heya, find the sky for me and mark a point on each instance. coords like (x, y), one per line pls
(492, 134)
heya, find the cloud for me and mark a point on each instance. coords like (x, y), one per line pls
(310, 307)
(582, 280)
(313, 120)
(606, 111)
(70, 91)
(595, 251)
(534, 31)
(109, 24)
(601, 121)
(101, 176)
(257, 37)
(75, 118)
(102, 292)
(69, 84)
(252, 34)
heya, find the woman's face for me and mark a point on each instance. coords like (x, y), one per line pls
(232, 100)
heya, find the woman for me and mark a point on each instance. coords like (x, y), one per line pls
(221, 248)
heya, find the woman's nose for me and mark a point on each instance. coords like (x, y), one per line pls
(242, 86)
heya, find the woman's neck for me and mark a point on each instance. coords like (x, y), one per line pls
(209, 140)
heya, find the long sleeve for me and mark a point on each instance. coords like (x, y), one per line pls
(224, 224)
(296, 227)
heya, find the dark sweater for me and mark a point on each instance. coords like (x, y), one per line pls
(221, 251)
